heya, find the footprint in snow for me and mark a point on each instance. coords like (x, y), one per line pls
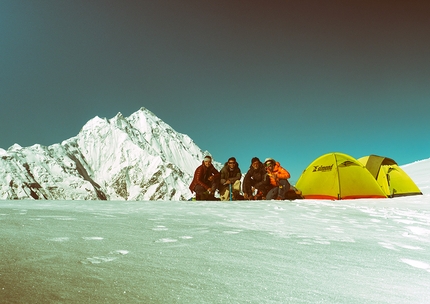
(166, 240)
(416, 264)
(392, 246)
(121, 252)
(160, 228)
(98, 260)
(231, 232)
(59, 239)
(92, 238)
(336, 229)
(186, 237)
(418, 231)
(113, 255)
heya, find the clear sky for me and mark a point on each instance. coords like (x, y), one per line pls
(291, 80)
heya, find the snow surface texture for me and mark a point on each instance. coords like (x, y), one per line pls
(124, 158)
(305, 251)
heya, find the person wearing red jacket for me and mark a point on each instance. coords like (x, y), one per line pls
(278, 179)
(205, 181)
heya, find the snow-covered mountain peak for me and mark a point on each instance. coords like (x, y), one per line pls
(14, 147)
(139, 157)
(94, 123)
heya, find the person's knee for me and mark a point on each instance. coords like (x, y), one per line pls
(272, 194)
(199, 189)
(224, 194)
(236, 185)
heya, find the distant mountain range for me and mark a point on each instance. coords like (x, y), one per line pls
(124, 158)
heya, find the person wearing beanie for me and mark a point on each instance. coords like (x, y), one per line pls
(278, 179)
(230, 175)
(205, 181)
(255, 181)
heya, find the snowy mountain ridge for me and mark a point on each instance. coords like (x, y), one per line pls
(139, 157)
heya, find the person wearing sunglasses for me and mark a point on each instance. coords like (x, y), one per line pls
(255, 182)
(278, 180)
(205, 181)
(230, 179)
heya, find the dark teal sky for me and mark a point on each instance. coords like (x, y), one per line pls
(290, 80)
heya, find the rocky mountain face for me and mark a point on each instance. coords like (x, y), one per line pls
(124, 158)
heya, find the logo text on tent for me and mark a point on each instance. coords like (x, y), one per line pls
(322, 168)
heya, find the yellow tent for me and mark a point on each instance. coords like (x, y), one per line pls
(338, 176)
(392, 179)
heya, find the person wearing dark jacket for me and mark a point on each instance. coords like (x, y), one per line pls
(206, 180)
(230, 175)
(255, 179)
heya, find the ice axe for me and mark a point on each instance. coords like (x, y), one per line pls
(231, 194)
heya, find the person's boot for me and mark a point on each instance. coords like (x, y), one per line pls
(225, 196)
(237, 196)
(259, 196)
(211, 197)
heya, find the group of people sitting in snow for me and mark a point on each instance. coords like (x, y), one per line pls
(263, 181)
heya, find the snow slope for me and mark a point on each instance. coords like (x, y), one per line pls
(305, 251)
(419, 171)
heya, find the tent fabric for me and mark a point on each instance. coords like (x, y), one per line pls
(338, 176)
(391, 178)
(373, 163)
